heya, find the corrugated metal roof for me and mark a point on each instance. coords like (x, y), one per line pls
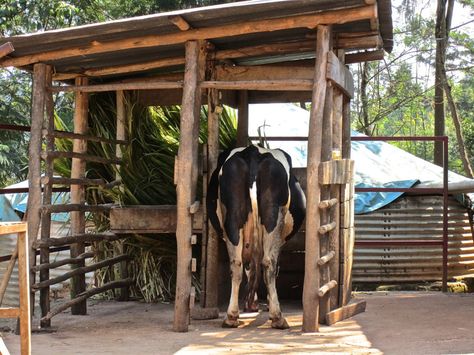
(199, 18)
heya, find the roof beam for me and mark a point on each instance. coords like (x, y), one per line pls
(269, 25)
(6, 49)
(364, 56)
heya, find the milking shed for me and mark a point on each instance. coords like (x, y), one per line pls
(257, 51)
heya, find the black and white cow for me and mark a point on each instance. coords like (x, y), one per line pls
(255, 204)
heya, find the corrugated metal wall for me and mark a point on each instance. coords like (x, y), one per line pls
(417, 217)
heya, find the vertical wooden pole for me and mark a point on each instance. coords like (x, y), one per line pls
(335, 236)
(34, 164)
(47, 196)
(24, 284)
(243, 119)
(212, 264)
(121, 135)
(326, 151)
(78, 170)
(311, 275)
(346, 213)
(184, 187)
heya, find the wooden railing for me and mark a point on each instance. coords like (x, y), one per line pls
(23, 311)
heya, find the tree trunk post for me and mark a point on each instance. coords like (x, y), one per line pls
(243, 119)
(47, 195)
(78, 170)
(312, 254)
(34, 166)
(185, 170)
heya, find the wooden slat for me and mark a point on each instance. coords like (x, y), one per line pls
(301, 21)
(326, 228)
(336, 172)
(263, 73)
(9, 312)
(340, 75)
(345, 312)
(142, 85)
(76, 207)
(78, 238)
(264, 85)
(59, 263)
(326, 288)
(326, 258)
(45, 180)
(242, 118)
(25, 292)
(328, 203)
(367, 42)
(78, 155)
(71, 135)
(7, 274)
(193, 265)
(12, 227)
(80, 271)
(366, 56)
(85, 295)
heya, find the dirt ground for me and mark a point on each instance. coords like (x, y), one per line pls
(394, 323)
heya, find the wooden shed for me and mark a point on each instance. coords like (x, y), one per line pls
(234, 54)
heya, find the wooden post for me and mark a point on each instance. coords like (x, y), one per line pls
(34, 164)
(185, 166)
(326, 151)
(78, 169)
(212, 259)
(121, 135)
(47, 195)
(311, 275)
(243, 119)
(347, 236)
(24, 284)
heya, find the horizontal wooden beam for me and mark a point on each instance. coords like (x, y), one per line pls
(345, 312)
(80, 271)
(78, 238)
(265, 85)
(301, 21)
(143, 85)
(6, 49)
(263, 73)
(45, 180)
(71, 135)
(9, 312)
(372, 41)
(85, 295)
(367, 56)
(79, 259)
(12, 227)
(73, 207)
(60, 154)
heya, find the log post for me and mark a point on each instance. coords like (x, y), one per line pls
(34, 165)
(243, 119)
(335, 236)
(184, 188)
(78, 169)
(312, 254)
(326, 151)
(47, 196)
(121, 136)
(212, 250)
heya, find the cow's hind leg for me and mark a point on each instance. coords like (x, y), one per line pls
(236, 269)
(271, 245)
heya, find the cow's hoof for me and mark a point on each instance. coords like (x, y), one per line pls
(280, 323)
(230, 323)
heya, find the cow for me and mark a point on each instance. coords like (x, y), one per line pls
(255, 204)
